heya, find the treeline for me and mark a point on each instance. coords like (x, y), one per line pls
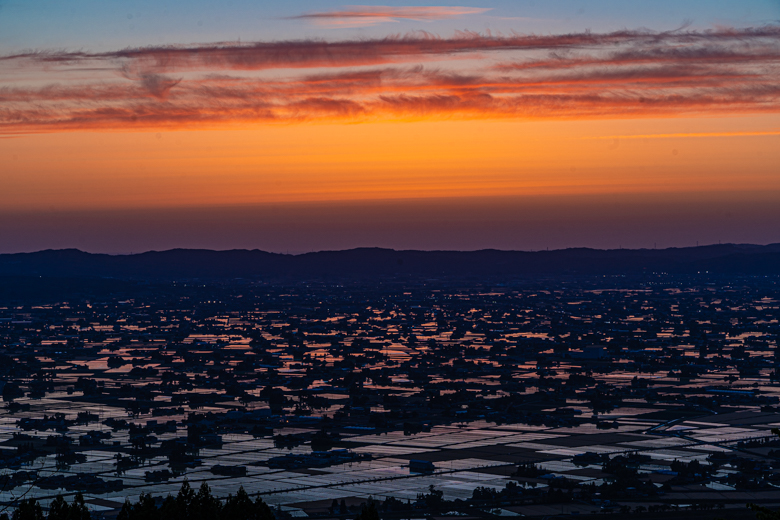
(186, 505)
(189, 505)
(59, 509)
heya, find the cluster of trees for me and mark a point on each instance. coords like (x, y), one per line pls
(186, 505)
(488, 495)
(663, 508)
(59, 509)
(189, 505)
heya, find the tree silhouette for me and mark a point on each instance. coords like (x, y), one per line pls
(58, 509)
(764, 513)
(368, 512)
(28, 509)
(78, 509)
(189, 505)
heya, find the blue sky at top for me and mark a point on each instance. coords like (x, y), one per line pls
(110, 24)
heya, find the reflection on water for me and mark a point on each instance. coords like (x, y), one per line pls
(476, 380)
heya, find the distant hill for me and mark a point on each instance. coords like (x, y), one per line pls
(183, 264)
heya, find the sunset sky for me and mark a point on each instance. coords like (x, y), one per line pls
(301, 125)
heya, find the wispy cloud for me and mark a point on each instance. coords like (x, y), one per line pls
(410, 47)
(685, 135)
(367, 15)
(583, 75)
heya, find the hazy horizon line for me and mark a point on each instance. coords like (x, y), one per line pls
(301, 253)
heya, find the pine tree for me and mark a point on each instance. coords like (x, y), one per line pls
(78, 509)
(28, 509)
(58, 509)
(184, 502)
(368, 512)
(126, 512)
(263, 511)
(204, 506)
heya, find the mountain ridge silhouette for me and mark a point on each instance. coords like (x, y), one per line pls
(368, 262)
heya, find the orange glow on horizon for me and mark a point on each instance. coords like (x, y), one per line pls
(329, 162)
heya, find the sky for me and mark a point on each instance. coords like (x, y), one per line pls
(301, 126)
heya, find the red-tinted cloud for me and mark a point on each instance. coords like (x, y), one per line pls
(392, 49)
(363, 15)
(620, 74)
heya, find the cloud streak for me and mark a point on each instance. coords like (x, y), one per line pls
(417, 76)
(418, 45)
(364, 15)
(685, 135)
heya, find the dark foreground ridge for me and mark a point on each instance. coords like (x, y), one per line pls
(727, 259)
